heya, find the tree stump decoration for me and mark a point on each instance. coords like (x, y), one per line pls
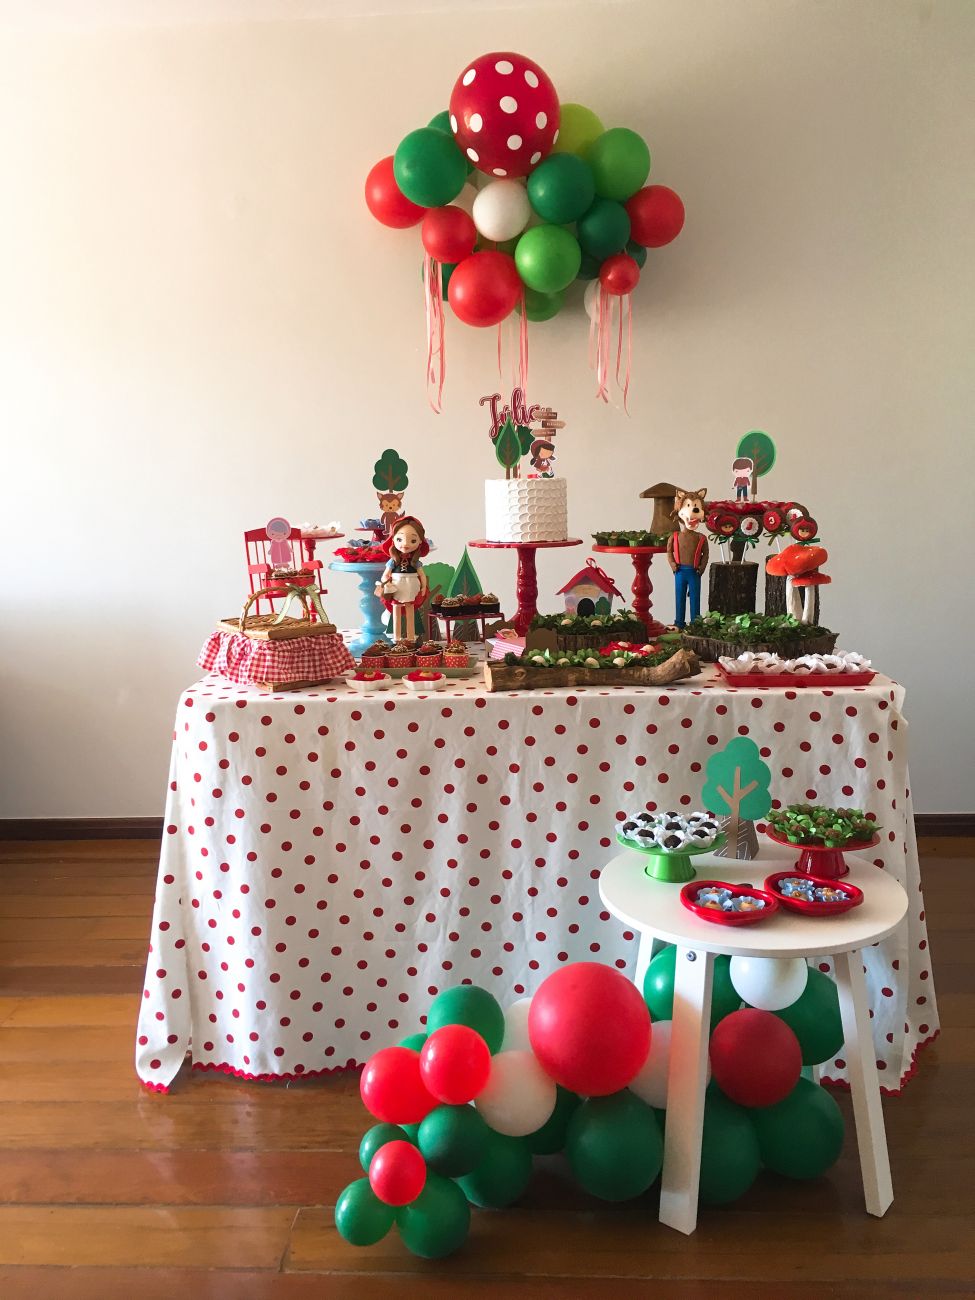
(732, 588)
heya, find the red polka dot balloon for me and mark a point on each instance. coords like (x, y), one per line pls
(504, 114)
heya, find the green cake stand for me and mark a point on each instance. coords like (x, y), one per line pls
(672, 866)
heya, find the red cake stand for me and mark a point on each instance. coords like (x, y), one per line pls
(526, 583)
(642, 586)
(818, 860)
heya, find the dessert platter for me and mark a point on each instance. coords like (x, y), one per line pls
(724, 904)
(669, 840)
(822, 836)
(812, 895)
(404, 658)
(615, 664)
(766, 668)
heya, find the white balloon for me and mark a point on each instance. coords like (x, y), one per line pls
(769, 983)
(501, 210)
(516, 1027)
(465, 199)
(591, 297)
(518, 1097)
(650, 1084)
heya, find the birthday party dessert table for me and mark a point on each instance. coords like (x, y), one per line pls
(654, 908)
(331, 860)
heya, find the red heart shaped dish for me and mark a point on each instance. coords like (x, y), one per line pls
(812, 895)
(724, 904)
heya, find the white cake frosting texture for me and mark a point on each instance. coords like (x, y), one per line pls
(525, 510)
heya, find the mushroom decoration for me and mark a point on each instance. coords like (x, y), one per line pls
(799, 565)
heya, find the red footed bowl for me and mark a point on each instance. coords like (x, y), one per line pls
(819, 860)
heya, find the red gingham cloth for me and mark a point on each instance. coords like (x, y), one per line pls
(303, 659)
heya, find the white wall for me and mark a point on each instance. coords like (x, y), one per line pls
(200, 325)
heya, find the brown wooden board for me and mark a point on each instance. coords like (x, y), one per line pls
(264, 627)
(520, 677)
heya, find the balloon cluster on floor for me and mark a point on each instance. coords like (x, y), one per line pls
(581, 1069)
(555, 198)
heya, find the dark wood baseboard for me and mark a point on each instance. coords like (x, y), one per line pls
(150, 828)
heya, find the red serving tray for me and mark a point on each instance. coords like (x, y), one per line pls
(728, 918)
(813, 909)
(751, 680)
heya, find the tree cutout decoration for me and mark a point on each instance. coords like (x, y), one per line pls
(465, 582)
(391, 474)
(507, 448)
(761, 450)
(439, 578)
(736, 786)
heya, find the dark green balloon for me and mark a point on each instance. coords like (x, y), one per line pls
(543, 306)
(429, 168)
(453, 1139)
(466, 1004)
(561, 188)
(415, 1041)
(638, 252)
(614, 1146)
(730, 1159)
(620, 162)
(502, 1174)
(550, 1138)
(658, 987)
(360, 1216)
(441, 122)
(588, 267)
(815, 1019)
(377, 1137)
(412, 1132)
(603, 229)
(547, 258)
(437, 1222)
(802, 1135)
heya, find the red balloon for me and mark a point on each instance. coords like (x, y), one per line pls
(484, 288)
(386, 201)
(656, 215)
(454, 1064)
(392, 1088)
(504, 114)
(590, 1028)
(756, 1059)
(448, 233)
(619, 274)
(397, 1173)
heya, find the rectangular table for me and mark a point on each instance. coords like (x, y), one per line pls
(330, 861)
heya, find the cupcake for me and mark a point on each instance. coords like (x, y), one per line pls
(429, 655)
(456, 656)
(375, 657)
(401, 656)
(490, 601)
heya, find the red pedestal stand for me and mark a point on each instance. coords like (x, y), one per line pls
(642, 586)
(526, 582)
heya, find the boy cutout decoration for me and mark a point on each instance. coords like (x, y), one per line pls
(742, 470)
(403, 583)
(687, 552)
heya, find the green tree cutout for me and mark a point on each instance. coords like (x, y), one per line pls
(507, 447)
(736, 786)
(465, 582)
(760, 448)
(391, 473)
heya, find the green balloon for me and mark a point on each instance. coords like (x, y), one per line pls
(561, 188)
(802, 1135)
(437, 1222)
(548, 258)
(550, 1138)
(441, 122)
(429, 168)
(466, 1004)
(415, 1041)
(412, 1132)
(453, 1139)
(542, 306)
(620, 162)
(658, 987)
(604, 229)
(730, 1159)
(638, 252)
(501, 1175)
(578, 128)
(815, 1019)
(589, 267)
(360, 1216)
(377, 1137)
(614, 1146)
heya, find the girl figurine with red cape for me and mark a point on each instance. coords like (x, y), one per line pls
(403, 584)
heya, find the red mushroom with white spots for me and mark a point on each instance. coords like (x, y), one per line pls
(504, 113)
(799, 565)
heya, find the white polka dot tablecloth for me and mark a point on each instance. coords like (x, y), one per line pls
(330, 861)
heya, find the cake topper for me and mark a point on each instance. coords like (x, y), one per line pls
(514, 438)
(391, 479)
(687, 551)
(759, 448)
(279, 552)
(742, 469)
(403, 583)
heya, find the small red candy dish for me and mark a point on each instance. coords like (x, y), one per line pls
(724, 904)
(812, 895)
(424, 679)
(367, 680)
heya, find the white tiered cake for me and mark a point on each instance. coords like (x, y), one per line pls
(525, 510)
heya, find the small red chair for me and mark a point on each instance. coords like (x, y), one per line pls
(308, 572)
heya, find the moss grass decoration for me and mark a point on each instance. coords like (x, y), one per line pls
(587, 659)
(713, 635)
(832, 828)
(633, 537)
(597, 624)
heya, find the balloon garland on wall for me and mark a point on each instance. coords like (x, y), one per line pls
(565, 200)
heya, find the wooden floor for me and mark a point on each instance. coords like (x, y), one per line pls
(223, 1188)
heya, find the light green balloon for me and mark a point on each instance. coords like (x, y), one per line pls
(620, 162)
(578, 128)
(548, 258)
